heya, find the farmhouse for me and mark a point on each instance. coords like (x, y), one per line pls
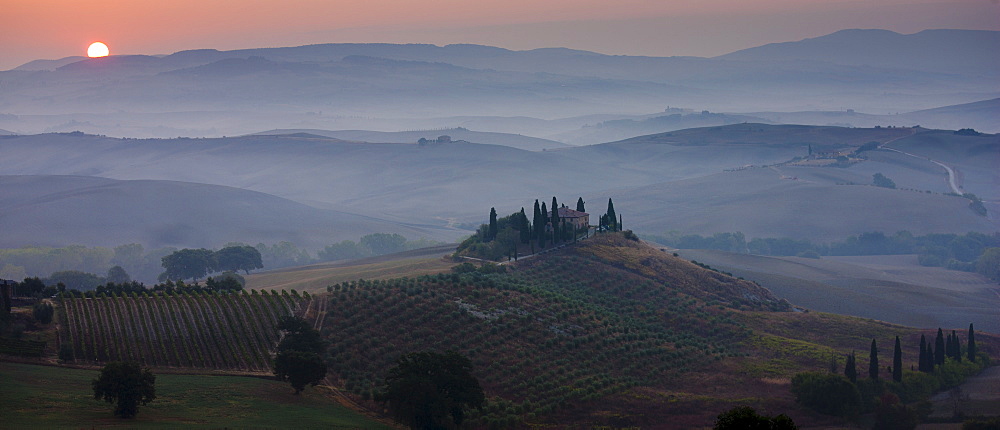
(578, 219)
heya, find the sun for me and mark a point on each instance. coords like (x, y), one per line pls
(97, 49)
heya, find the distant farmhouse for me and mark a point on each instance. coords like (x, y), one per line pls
(579, 220)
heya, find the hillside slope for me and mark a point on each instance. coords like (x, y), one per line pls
(604, 332)
(63, 210)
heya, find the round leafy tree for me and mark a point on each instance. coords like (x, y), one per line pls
(429, 390)
(126, 385)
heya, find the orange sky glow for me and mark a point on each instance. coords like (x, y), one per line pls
(49, 29)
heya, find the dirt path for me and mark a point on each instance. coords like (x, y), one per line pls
(952, 176)
(979, 395)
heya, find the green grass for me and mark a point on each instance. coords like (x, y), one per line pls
(51, 397)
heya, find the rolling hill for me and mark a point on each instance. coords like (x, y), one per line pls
(526, 143)
(694, 181)
(63, 210)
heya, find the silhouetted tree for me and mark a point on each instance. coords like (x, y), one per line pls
(188, 263)
(612, 220)
(850, 368)
(873, 362)
(972, 344)
(428, 390)
(879, 180)
(555, 220)
(897, 362)
(126, 385)
(544, 219)
(236, 258)
(579, 205)
(492, 232)
(299, 368)
(524, 228)
(939, 348)
(536, 223)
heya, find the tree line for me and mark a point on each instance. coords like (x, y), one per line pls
(942, 365)
(83, 268)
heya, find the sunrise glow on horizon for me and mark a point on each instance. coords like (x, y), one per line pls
(97, 50)
(51, 29)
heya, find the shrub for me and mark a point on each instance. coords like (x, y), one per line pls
(826, 393)
(42, 312)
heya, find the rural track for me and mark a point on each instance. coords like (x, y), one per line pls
(952, 176)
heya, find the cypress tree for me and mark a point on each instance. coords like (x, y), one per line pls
(930, 358)
(939, 348)
(544, 220)
(493, 225)
(972, 344)
(850, 369)
(949, 346)
(922, 359)
(612, 217)
(873, 362)
(897, 362)
(579, 205)
(555, 220)
(537, 222)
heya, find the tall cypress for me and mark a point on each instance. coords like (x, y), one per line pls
(579, 205)
(897, 362)
(492, 233)
(873, 362)
(612, 217)
(850, 368)
(922, 359)
(972, 344)
(949, 346)
(555, 220)
(939, 348)
(544, 219)
(930, 358)
(537, 221)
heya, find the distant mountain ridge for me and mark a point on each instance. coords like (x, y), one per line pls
(310, 87)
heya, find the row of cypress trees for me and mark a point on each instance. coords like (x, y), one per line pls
(930, 356)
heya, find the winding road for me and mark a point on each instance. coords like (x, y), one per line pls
(952, 177)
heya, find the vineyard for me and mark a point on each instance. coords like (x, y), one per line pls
(234, 331)
(561, 332)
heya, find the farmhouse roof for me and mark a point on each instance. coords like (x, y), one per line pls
(565, 212)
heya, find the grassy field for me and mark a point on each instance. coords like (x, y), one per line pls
(888, 288)
(316, 277)
(51, 397)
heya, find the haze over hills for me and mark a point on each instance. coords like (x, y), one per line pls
(372, 86)
(694, 181)
(61, 210)
(504, 139)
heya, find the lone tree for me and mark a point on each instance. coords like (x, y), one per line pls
(236, 258)
(188, 263)
(879, 180)
(429, 390)
(850, 368)
(972, 344)
(580, 205)
(299, 368)
(125, 384)
(298, 361)
(492, 232)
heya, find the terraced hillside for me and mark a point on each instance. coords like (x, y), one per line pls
(204, 331)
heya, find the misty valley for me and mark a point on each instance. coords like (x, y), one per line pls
(796, 235)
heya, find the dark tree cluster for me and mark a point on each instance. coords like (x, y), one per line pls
(126, 385)
(746, 418)
(298, 361)
(196, 263)
(429, 390)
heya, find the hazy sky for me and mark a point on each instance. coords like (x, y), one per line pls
(50, 29)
